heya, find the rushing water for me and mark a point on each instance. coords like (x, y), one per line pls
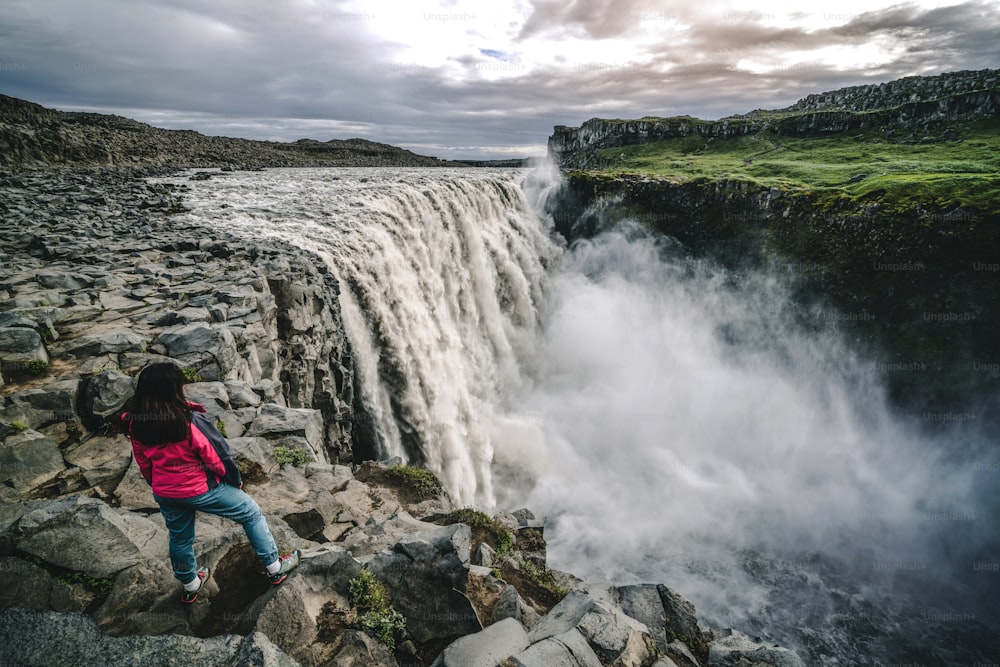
(673, 421)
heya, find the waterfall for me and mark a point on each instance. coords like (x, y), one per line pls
(442, 275)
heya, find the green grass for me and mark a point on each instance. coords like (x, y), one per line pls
(949, 173)
(191, 375)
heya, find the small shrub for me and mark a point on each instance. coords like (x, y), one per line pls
(36, 367)
(19, 426)
(503, 539)
(375, 615)
(191, 375)
(542, 577)
(295, 456)
(100, 586)
(692, 143)
(420, 480)
(221, 425)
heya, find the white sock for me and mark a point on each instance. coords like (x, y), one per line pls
(193, 585)
(274, 567)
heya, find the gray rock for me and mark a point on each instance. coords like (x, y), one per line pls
(274, 421)
(52, 402)
(211, 348)
(732, 648)
(20, 347)
(256, 452)
(568, 649)
(512, 605)
(87, 535)
(29, 459)
(100, 457)
(642, 602)
(594, 610)
(269, 391)
(110, 341)
(285, 619)
(55, 279)
(484, 555)
(30, 587)
(256, 650)
(485, 648)
(357, 649)
(212, 395)
(427, 576)
(132, 492)
(45, 638)
(106, 393)
(241, 395)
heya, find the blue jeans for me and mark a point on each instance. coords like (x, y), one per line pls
(226, 501)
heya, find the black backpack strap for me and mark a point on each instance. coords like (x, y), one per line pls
(221, 446)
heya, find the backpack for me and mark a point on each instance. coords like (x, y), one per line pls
(208, 429)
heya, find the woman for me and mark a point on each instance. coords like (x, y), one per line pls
(186, 473)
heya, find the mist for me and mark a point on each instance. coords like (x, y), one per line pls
(688, 424)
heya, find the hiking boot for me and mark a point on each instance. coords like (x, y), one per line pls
(288, 563)
(187, 597)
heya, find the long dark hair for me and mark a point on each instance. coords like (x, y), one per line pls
(159, 412)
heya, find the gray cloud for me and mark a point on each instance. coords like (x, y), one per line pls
(276, 69)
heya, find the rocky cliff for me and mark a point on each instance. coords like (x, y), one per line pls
(32, 136)
(905, 110)
(96, 281)
(912, 278)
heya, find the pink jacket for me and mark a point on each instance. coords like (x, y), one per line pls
(178, 469)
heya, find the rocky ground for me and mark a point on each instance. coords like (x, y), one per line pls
(96, 281)
(32, 136)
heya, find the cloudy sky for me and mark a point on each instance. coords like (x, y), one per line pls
(466, 78)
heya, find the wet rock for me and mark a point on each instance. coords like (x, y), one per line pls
(595, 612)
(732, 648)
(669, 617)
(568, 649)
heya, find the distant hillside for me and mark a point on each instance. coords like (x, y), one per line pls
(909, 110)
(32, 136)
